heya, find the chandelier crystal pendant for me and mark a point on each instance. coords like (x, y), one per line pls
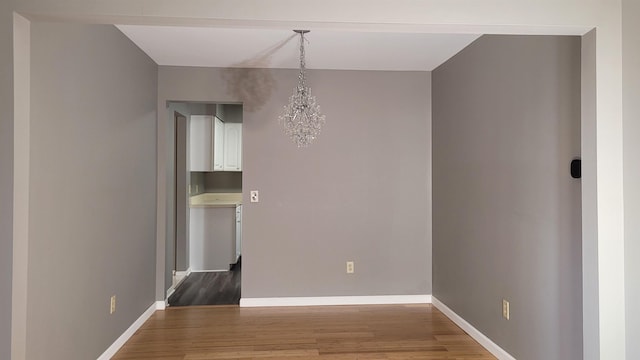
(302, 119)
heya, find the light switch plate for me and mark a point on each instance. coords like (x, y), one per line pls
(255, 196)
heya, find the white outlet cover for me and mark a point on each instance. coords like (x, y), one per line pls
(350, 267)
(255, 196)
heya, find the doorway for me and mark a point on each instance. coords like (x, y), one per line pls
(204, 249)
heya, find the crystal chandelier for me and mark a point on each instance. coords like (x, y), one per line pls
(302, 119)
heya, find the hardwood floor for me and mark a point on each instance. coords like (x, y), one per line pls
(209, 288)
(322, 332)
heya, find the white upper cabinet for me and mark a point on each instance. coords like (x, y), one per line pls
(232, 147)
(218, 145)
(201, 141)
(214, 145)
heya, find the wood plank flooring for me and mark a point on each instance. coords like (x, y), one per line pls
(209, 288)
(322, 332)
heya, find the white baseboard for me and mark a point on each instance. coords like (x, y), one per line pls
(113, 349)
(492, 347)
(184, 273)
(171, 290)
(336, 300)
(201, 271)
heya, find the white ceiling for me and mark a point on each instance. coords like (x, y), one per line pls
(268, 48)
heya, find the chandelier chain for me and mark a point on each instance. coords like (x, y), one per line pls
(303, 65)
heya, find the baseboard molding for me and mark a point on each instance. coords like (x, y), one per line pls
(335, 300)
(492, 347)
(171, 290)
(113, 349)
(201, 271)
(184, 273)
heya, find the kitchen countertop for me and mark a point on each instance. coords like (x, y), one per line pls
(216, 200)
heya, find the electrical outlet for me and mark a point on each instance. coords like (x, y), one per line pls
(113, 305)
(350, 267)
(255, 196)
(505, 309)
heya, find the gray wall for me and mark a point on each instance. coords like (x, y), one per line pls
(360, 192)
(6, 175)
(631, 114)
(223, 181)
(93, 199)
(507, 214)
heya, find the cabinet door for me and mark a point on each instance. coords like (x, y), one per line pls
(211, 238)
(232, 147)
(200, 146)
(218, 145)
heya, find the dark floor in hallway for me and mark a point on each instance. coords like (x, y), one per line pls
(209, 288)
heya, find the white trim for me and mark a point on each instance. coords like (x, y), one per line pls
(492, 347)
(336, 300)
(183, 273)
(201, 271)
(113, 349)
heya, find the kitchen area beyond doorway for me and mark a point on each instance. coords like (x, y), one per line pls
(213, 231)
